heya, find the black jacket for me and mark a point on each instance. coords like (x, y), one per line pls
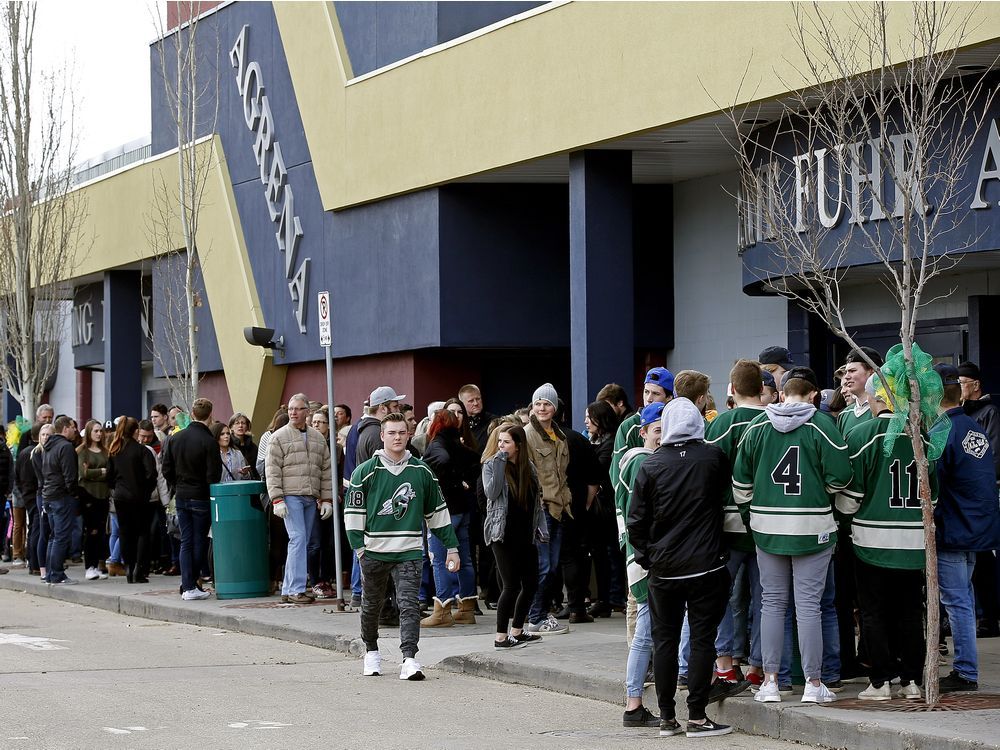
(583, 470)
(6, 469)
(604, 450)
(369, 439)
(480, 427)
(453, 464)
(132, 474)
(24, 473)
(60, 478)
(985, 412)
(249, 450)
(675, 515)
(191, 462)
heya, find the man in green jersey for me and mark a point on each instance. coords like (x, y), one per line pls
(659, 387)
(887, 526)
(856, 373)
(725, 432)
(391, 495)
(789, 463)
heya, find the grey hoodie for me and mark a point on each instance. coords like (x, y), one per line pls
(395, 467)
(681, 421)
(789, 415)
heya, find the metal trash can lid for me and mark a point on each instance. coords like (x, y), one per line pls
(243, 488)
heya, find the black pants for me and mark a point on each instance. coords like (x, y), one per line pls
(159, 541)
(517, 565)
(34, 531)
(705, 598)
(574, 558)
(844, 600)
(984, 582)
(95, 531)
(133, 529)
(609, 560)
(892, 619)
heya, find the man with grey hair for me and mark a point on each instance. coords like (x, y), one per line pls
(420, 436)
(298, 480)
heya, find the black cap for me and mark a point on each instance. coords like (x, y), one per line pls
(775, 355)
(949, 373)
(970, 370)
(855, 356)
(804, 373)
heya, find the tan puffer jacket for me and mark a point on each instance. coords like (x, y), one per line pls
(296, 466)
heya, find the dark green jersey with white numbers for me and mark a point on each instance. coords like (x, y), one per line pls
(638, 582)
(851, 417)
(387, 505)
(883, 499)
(784, 483)
(725, 432)
(626, 438)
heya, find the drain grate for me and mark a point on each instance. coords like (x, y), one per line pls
(949, 702)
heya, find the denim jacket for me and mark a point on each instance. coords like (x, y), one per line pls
(497, 493)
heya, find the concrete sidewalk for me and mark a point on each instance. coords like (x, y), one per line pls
(589, 662)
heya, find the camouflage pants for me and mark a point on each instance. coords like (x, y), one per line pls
(375, 576)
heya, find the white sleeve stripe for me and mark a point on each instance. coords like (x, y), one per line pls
(827, 437)
(867, 445)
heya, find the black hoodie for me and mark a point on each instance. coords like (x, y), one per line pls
(60, 477)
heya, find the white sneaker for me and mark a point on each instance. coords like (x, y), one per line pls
(872, 693)
(194, 595)
(910, 692)
(102, 574)
(373, 664)
(18, 564)
(817, 694)
(92, 574)
(768, 693)
(410, 670)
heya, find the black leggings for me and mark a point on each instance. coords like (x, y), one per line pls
(518, 568)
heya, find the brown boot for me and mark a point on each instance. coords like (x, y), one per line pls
(440, 617)
(466, 611)
(116, 569)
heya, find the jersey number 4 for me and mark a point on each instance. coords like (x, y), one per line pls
(786, 473)
(896, 499)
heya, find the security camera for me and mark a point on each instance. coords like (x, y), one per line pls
(263, 337)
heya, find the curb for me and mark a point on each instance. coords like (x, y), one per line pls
(811, 725)
(160, 610)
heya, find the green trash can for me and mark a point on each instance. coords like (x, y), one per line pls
(239, 540)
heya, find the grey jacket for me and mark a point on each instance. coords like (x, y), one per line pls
(497, 498)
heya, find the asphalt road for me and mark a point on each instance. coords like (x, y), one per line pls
(75, 677)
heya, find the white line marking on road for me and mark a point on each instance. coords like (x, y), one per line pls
(115, 730)
(137, 729)
(32, 643)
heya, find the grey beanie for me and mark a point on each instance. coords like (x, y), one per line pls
(546, 392)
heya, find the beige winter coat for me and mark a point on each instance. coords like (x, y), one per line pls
(296, 466)
(551, 459)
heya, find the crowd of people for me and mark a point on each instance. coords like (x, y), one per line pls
(715, 533)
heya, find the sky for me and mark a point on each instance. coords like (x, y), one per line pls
(107, 44)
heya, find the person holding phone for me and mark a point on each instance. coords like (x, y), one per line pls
(234, 465)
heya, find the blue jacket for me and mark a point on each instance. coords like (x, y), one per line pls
(968, 510)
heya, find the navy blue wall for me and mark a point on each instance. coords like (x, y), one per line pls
(380, 33)
(168, 302)
(504, 265)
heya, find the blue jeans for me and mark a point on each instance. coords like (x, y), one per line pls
(684, 647)
(728, 639)
(639, 652)
(955, 578)
(355, 576)
(548, 561)
(299, 523)
(194, 520)
(62, 516)
(114, 542)
(448, 585)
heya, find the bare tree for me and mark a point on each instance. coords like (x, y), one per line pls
(870, 155)
(191, 90)
(41, 221)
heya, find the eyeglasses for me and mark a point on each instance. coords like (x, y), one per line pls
(320, 421)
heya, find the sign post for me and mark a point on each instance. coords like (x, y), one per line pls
(326, 341)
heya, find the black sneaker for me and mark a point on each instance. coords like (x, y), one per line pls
(682, 682)
(509, 642)
(524, 637)
(954, 683)
(640, 717)
(722, 689)
(670, 728)
(708, 729)
(835, 686)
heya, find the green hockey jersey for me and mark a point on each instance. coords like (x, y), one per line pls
(626, 438)
(387, 505)
(852, 416)
(784, 479)
(887, 526)
(636, 574)
(725, 432)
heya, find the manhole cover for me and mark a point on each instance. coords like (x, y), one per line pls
(949, 702)
(275, 604)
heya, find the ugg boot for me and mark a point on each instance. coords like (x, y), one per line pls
(466, 611)
(440, 617)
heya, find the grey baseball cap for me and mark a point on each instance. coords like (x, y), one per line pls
(382, 394)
